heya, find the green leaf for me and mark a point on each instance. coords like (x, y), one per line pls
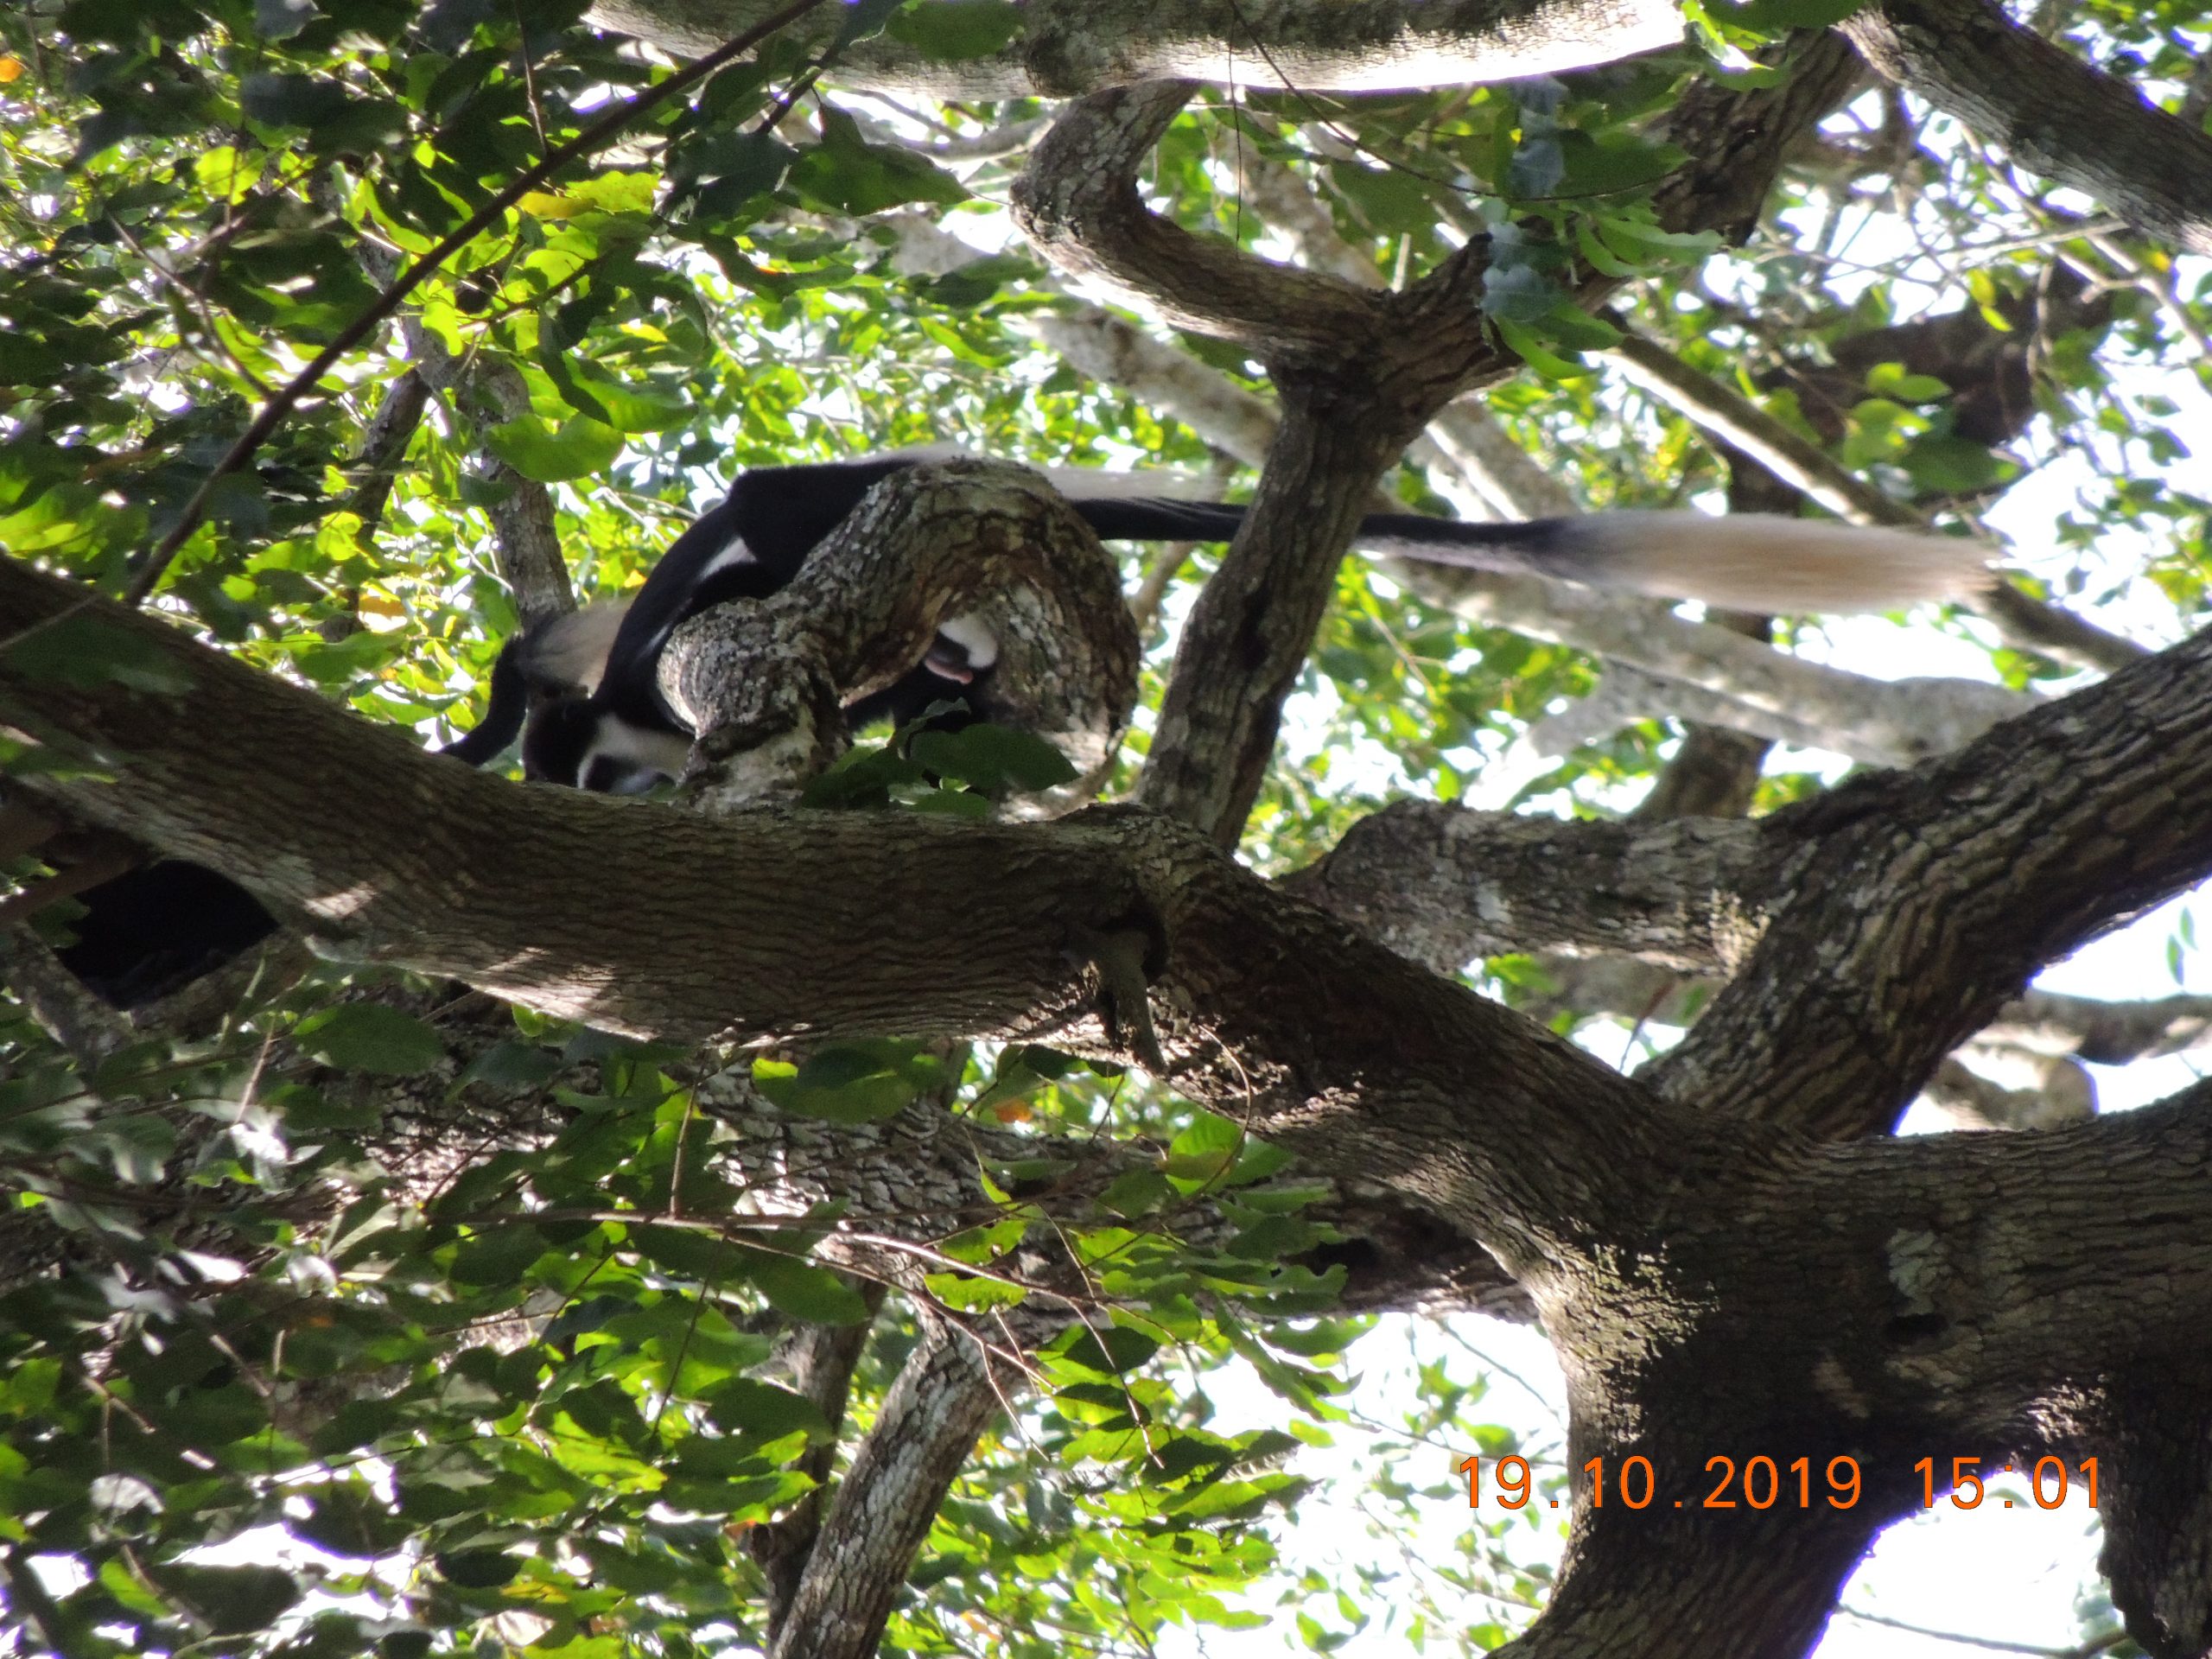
(1893, 380)
(237, 1599)
(850, 1082)
(978, 281)
(1774, 16)
(138, 1145)
(1390, 200)
(578, 449)
(1107, 1350)
(965, 1293)
(760, 1411)
(335, 118)
(512, 1065)
(1954, 465)
(348, 1518)
(994, 759)
(862, 779)
(1138, 1192)
(1022, 1071)
(1570, 325)
(369, 1037)
(845, 173)
(1642, 241)
(715, 177)
(863, 19)
(804, 1291)
(1611, 163)
(478, 1569)
(632, 406)
(1531, 348)
(496, 1255)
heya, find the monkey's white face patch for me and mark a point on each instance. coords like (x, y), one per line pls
(974, 637)
(629, 759)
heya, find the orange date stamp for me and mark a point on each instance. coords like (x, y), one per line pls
(1762, 1483)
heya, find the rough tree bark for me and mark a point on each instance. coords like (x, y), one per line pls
(1063, 47)
(2047, 109)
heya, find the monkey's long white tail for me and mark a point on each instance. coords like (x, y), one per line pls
(1745, 562)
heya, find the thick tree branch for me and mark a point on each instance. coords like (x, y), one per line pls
(1442, 885)
(2105, 1033)
(1069, 47)
(2047, 109)
(1116, 353)
(1990, 863)
(1884, 723)
(1246, 640)
(513, 888)
(2156, 1434)
(73, 1017)
(1967, 1100)
(1738, 137)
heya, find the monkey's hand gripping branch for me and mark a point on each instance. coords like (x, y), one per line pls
(761, 682)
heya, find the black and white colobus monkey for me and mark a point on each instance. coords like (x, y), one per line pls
(616, 734)
(581, 688)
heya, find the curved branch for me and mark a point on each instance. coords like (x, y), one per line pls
(1267, 1006)
(1079, 205)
